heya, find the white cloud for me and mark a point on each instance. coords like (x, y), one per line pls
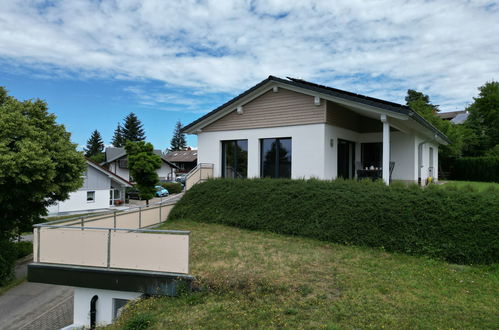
(445, 48)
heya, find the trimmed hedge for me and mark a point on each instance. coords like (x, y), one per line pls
(476, 169)
(8, 256)
(172, 187)
(458, 225)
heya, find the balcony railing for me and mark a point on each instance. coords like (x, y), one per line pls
(115, 240)
(202, 172)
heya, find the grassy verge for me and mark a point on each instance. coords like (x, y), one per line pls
(479, 186)
(253, 279)
(11, 284)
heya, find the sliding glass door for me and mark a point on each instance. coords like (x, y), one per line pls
(275, 158)
(235, 159)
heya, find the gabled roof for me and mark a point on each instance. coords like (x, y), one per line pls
(186, 156)
(117, 153)
(329, 91)
(110, 174)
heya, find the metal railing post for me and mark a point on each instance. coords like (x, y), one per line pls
(159, 213)
(140, 217)
(38, 244)
(109, 248)
(114, 220)
(82, 223)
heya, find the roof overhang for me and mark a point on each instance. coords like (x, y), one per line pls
(110, 174)
(365, 106)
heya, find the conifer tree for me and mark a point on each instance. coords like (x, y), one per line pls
(178, 140)
(118, 138)
(94, 144)
(132, 129)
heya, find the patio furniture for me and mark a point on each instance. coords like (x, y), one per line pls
(369, 174)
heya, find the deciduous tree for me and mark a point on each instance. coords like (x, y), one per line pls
(142, 164)
(38, 164)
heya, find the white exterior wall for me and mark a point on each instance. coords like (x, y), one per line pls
(77, 201)
(426, 159)
(165, 172)
(307, 143)
(104, 306)
(122, 172)
(312, 153)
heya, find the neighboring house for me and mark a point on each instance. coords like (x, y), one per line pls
(100, 190)
(117, 162)
(186, 160)
(292, 128)
(456, 117)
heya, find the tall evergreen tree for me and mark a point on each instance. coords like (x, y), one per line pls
(178, 141)
(118, 138)
(94, 144)
(132, 129)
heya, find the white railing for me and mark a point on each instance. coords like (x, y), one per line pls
(115, 240)
(200, 173)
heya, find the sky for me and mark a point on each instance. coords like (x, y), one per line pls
(95, 61)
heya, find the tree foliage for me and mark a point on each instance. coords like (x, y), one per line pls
(458, 134)
(178, 141)
(142, 164)
(38, 163)
(132, 129)
(118, 137)
(94, 144)
(483, 121)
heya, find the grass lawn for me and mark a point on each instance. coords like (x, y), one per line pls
(249, 279)
(475, 184)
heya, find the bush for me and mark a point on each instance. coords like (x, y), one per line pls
(172, 187)
(457, 225)
(23, 249)
(476, 169)
(8, 256)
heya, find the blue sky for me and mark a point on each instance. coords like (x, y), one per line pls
(96, 61)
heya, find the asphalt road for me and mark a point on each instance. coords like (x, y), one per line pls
(35, 306)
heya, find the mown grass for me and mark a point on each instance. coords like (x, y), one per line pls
(250, 279)
(478, 186)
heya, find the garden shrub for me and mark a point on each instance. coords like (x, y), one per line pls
(23, 249)
(8, 256)
(458, 225)
(476, 169)
(172, 187)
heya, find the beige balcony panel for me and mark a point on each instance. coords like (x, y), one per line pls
(150, 216)
(155, 252)
(73, 246)
(107, 222)
(127, 220)
(165, 211)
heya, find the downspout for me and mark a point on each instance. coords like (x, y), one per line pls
(93, 311)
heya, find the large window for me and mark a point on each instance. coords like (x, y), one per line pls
(275, 158)
(235, 159)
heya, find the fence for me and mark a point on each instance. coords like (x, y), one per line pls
(202, 172)
(115, 240)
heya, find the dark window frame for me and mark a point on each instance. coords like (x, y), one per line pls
(277, 163)
(235, 162)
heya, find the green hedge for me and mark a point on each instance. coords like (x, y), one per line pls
(172, 187)
(476, 169)
(458, 225)
(8, 256)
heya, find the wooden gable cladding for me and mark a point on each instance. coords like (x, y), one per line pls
(273, 109)
(337, 115)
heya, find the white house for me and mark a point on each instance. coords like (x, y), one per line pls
(296, 129)
(117, 162)
(100, 190)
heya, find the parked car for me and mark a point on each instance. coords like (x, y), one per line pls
(181, 178)
(133, 193)
(161, 192)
